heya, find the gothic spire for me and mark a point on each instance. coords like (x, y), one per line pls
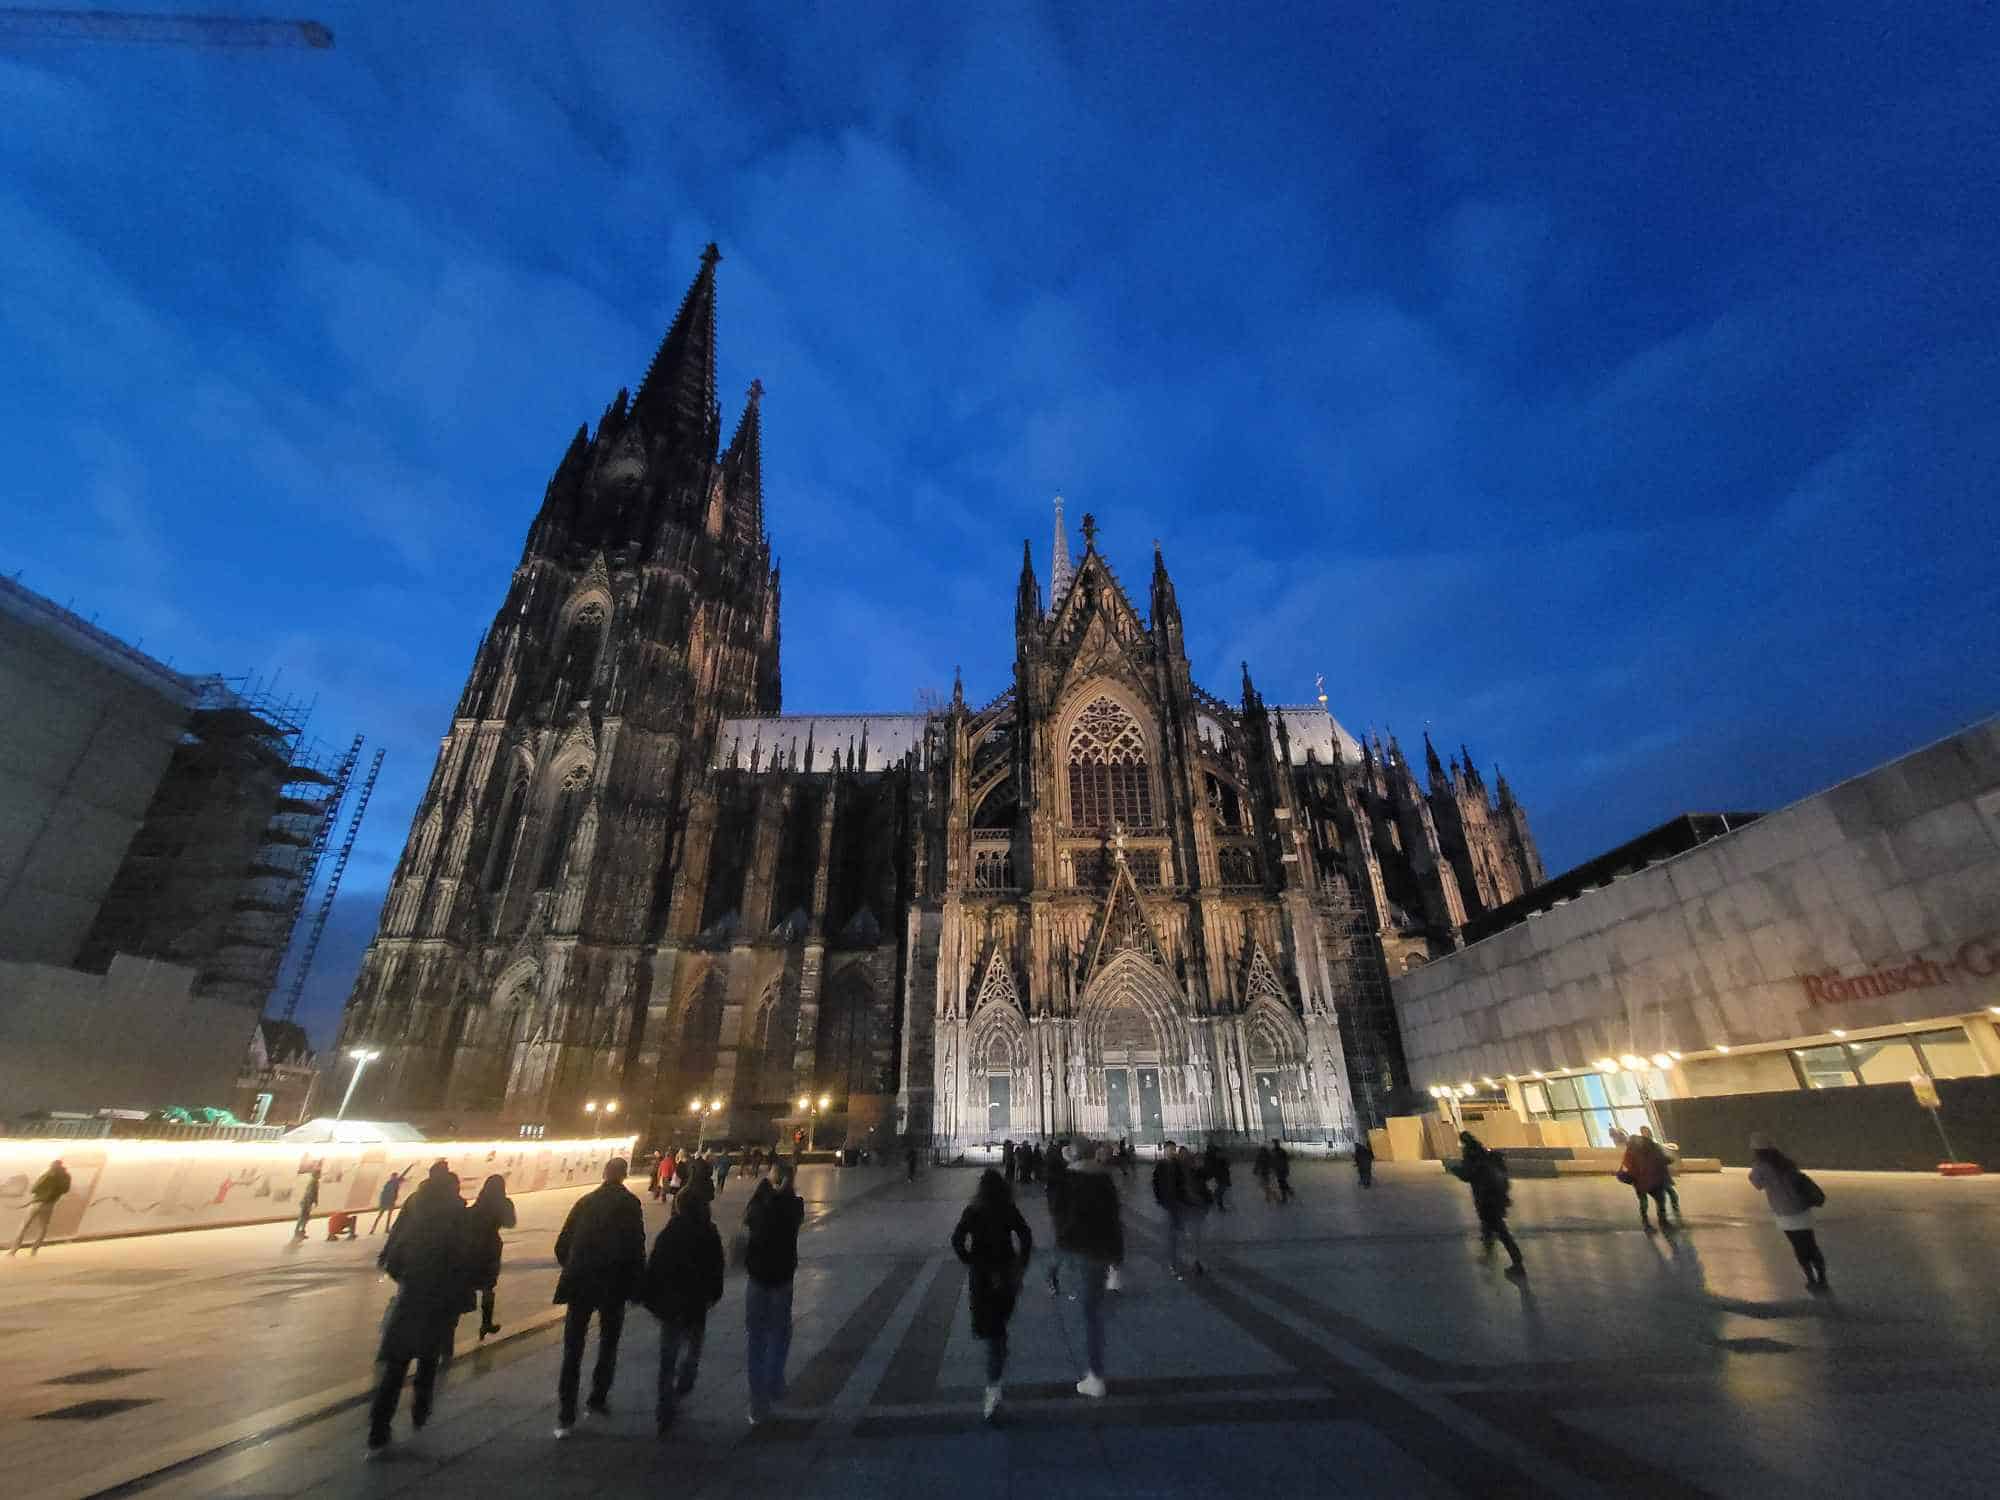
(677, 397)
(1028, 596)
(743, 470)
(1165, 607)
(1060, 571)
(1433, 767)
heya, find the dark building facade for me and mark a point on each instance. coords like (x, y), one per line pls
(1104, 901)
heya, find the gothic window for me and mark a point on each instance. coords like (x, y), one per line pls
(1223, 803)
(1238, 865)
(993, 869)
(772, 1039)
(1108, 777)
(1145, 866)
(582, 644)
(507, 835)
(562, 824)
(847, 1065)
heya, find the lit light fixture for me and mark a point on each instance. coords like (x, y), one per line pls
(825, 1100)
(1465, 1091)
(804, 1104)
(1673, 1054)
(1995, 1009)
(715, 1104)
(1630, 1063)
(1662, 1060)
(611, 1108)
(1607, 1065)
(590, 1107)
(1838, 1032)
(1488, 1081)
(694, 1106)
(1512, 1079)
(1722, 1047)
(1534, 1072)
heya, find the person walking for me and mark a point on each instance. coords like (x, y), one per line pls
(1792, 1197)
(1281, 1169)
(602, 1252)
(1198, 1201)
(1097, 1241)
(1007, 1159)
(308, 1202)
(683, 1281)
(1261, 1169)
(770, 1260)
(1215, 1171)
(1364, 1162)
(1058, 1201)
(385, 1203)
(910, 1163)
(1169, 1194)
(1485, 1172)
(722, 1165)
(431, 1255)
(985, 1241)
(1644, 1167)
(1667, 1157)
(492, 1211)
(43, 1197)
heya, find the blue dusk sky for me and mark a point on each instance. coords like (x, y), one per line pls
(1612, 388)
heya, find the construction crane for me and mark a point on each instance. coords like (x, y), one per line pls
(332, 885)
(20, 25)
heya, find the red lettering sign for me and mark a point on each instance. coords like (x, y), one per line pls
(1978, 958)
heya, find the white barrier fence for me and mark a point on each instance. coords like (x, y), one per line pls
(121, 1187)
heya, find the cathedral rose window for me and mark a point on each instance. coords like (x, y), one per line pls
(1108, 778)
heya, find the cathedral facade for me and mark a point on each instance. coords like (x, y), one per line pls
(1104, 901)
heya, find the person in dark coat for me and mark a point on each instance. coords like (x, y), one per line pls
(1645, 1169)
(683, 1281)
(1281, 1169)
(308, 1204)
(602, 1251)
(1059, 1163)
(1170, 1191)
(431, 1256)
(770, 1261)
(49, 1190)
(1215, 1168)
(1485, 1172)
(1364, 1163)
(1097, 1240)
(492, 1211)
(1007, 1159)
(984, 1240)
(1261, 1168)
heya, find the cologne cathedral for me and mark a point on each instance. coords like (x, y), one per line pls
(1104, 900)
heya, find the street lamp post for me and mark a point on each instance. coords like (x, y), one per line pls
(591, 1108)
(362, 1058)
(812, 1109)
(706, 1111)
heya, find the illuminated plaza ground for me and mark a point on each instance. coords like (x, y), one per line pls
(1350, 1344)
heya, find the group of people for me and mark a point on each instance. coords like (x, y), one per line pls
(1188, 1187)
(444, 1256)
(1273, 1169)
(673, 1169)
(1647, 1169)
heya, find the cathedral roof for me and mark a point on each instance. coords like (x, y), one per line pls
(1310, 727)
(783, 741)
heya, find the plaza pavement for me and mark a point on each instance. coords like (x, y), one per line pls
(1351, 1343)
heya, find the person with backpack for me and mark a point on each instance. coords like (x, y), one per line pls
(985, 1241)
(683, 1281)
(1644, 1170)
(1485, 1172)
(53, 1184)
(1792, 1197)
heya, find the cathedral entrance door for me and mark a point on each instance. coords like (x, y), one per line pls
(999, 1105)
(1267, 1104)
(1152, 1123)
(1118, 1102)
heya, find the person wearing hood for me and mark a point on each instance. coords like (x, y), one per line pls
(602, 1251)
(1097, 1240)
(491, 1212)
(1485, 1172)
(432, 1258)
(984, 1240)
(683, 1281)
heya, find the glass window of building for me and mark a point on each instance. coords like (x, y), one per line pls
(1884, 1059)
(1949, 1053)
(1536, 1098)
(1824, 1067)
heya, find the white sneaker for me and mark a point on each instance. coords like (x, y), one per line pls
(992, 1402)
(1091, 1386)
(563, 1430)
